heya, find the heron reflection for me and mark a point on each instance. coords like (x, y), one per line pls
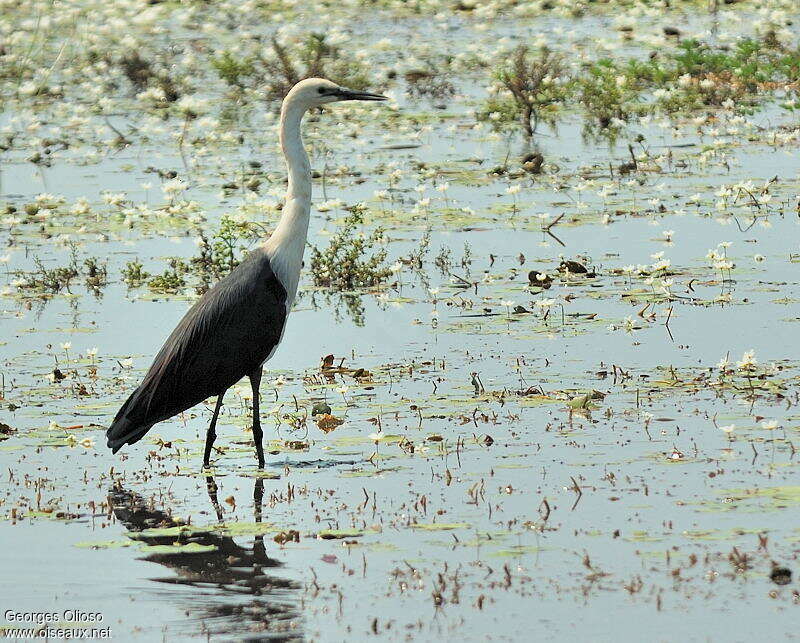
(238, 594)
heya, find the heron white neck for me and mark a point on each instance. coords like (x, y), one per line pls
(286, 245)
(293, 151)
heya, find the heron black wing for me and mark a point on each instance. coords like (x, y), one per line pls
(226, 335)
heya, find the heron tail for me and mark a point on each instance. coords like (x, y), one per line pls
(125, 429)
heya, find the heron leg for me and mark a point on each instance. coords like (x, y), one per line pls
(212, 433)
(211, 487)
(259, 550)
(258, 434)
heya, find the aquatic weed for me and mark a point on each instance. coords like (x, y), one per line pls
(532, 86)
(347, 263)
(134, 274)
(233, 69)
(310, 56)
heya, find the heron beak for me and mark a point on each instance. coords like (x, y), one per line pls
(349, 94)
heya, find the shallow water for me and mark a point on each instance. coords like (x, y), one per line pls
(557, 472)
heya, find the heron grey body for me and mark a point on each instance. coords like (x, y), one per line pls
(237, 325)
(225, 336)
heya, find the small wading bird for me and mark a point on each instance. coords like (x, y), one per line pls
(237, 325)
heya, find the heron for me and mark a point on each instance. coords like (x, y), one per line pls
(237, 325)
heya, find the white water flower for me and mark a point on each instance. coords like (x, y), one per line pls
(330, 204)
(173, 187)
(115, 199)
(81, 206)
(748, 361)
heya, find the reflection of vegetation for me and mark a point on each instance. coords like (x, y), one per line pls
(466, 258)
(354, 307)
(534, 84)
(342, 304)
(347, 263)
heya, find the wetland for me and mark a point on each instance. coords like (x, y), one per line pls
(540, 377)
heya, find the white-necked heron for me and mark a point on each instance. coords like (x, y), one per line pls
(237, 325)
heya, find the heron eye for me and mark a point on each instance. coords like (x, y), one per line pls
(321, 90)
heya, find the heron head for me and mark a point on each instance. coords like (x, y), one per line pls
(313, 92)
